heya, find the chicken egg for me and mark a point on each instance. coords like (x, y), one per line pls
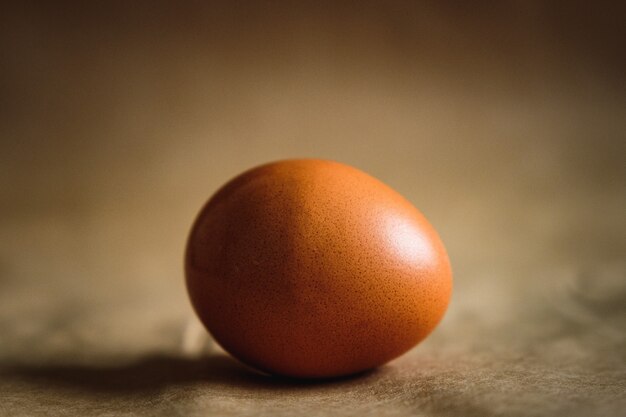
(312, 269)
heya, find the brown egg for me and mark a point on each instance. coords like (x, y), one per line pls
(311, 268)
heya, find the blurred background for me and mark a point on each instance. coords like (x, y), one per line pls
(504, 122)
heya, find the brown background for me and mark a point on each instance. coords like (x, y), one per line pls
(504, 123)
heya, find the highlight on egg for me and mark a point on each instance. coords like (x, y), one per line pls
(312, 269)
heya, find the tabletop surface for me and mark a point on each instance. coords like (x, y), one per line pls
(504, 125)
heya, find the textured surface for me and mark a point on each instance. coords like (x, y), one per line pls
(504, 124)
(312, 268)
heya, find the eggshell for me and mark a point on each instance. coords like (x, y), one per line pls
(311, 268)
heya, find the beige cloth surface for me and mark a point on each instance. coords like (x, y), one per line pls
(504, 124)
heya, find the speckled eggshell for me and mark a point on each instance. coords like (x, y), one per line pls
(311, 268)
